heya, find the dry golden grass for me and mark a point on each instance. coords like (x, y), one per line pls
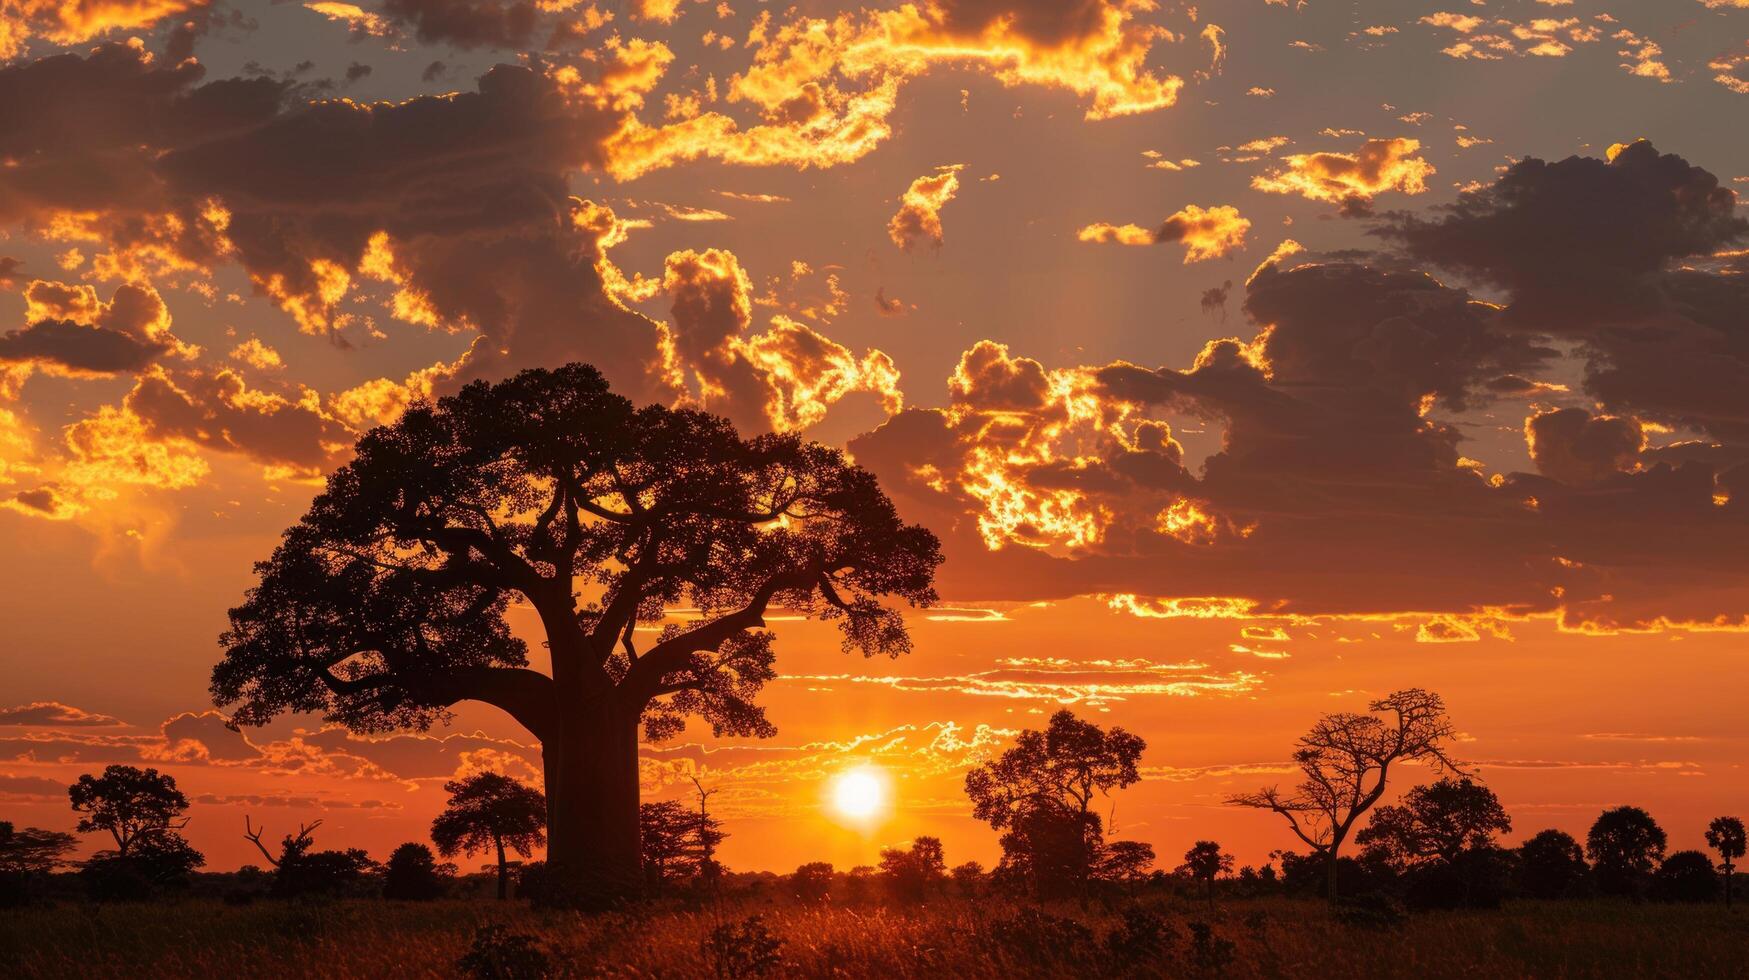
(1271, 938)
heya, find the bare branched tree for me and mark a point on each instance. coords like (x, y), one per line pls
(1346, 759)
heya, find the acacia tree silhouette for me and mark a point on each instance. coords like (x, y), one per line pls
(490, 809)
(1041, 792)
(132, 804)
(1346, 758)
(384, 605)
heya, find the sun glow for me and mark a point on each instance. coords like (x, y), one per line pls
(860, 794)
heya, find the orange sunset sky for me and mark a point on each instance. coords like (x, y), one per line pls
(1251, 359)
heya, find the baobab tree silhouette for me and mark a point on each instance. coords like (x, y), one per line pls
(384, 606)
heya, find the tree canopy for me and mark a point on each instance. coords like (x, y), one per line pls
(1437, 821)
(384, 605)
(129, 803)
(1624, 844)
(1042, 790)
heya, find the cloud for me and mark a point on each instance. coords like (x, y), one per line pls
(1592, 250)
(68, 331)
(784, 378)
(919, 216)
(1571, 446)
(1205, 234)
(54, 714)
(66, 22)
(822, 90)
(1481, 39)
(15, 787)
(1337, 488)
(1344, 178)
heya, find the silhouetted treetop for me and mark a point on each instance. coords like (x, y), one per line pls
(130, 803)
(384, 605)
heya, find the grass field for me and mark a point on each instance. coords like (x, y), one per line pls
(1269, 937)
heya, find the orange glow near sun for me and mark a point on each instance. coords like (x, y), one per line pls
(861, 795)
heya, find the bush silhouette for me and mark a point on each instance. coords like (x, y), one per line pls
(412, 874)
(1686, 876)
(811, 883)
(153, 864)
(743, 949)
(915, 874)
(1552, 865)
(1143, 938)
(499, 954)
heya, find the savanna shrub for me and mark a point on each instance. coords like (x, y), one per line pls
(1371, 910)
(744, 949)
(499, 954)
(1686, 876)
(1142, 938)
(1209, 954)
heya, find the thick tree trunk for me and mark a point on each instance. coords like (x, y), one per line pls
(592, 805)
(503, 871)
(1330, 875)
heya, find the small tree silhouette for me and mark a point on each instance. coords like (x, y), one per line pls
(1205, 862)
(811, 883)
(412, 874)
(1725, 835)
(491, 811)
(1125, 862)
(141, 809)
(1435, 822)
(129, 803)
(1624, 845)
(1042, 790)
(1346, 759)
(384, 606)
(912, 875)
(1551, 864)
(677, 842)
(28, 854)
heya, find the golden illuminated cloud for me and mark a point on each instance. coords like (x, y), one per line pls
(69, 331)
(1206, 234)
(1481, 39)
(78, 21)
(919, 217)
(784, 378)
(1380, 165)
(823, 89)
(352, 15)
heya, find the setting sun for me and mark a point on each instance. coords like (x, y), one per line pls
(860, 793)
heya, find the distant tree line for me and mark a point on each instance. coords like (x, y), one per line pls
(1437, 846)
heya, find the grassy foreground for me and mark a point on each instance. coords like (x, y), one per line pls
(1270, 938)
